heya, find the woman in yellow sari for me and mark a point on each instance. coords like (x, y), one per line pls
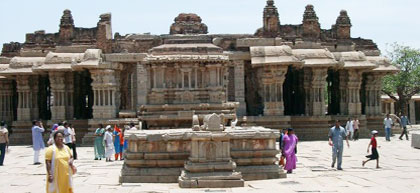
(60, 167)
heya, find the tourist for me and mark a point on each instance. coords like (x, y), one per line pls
(356, 125)
(73, 138)
(60, 127)
(60, 168)
(109, 143)
(388, 125)
(336, 136)
(51, 139)
(349, 128)
(37, 140)
(132, 127)
(282, 134)
(374, 154)
(404, 123)
(289, 150)
(99, 144)
(4, 141)
(68, 139)
(118, 142)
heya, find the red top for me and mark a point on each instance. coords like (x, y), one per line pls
(373, 142)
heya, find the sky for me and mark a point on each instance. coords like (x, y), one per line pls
(384, 21)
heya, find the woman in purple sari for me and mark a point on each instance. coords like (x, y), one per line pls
(289, 150)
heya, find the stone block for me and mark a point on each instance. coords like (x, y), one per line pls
(415, 141)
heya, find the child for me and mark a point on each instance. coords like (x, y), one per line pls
(374, 154)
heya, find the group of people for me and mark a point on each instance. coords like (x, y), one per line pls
(110, 141)
(352, 128)
(388, 123)
(336, 135)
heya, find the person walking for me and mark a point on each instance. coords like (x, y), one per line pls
(37, 139)
(59, 165)
(109, 144)
(118, 142)
(68, 139)
(99, 143)
(289, 150)
(356, 125)
(388, 125)
(404, 123)
(281, 146)
(4, 141)
(375, 154)
(336, 136)
(349, 128)
(73, 138)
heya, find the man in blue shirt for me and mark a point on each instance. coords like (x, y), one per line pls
(404, 123)
(37, 139)
(336, 136)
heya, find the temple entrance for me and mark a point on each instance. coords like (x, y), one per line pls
(363, 94)
(253, 99)
(293, 92)
(83, 95)
(44, 99)
(333, 87)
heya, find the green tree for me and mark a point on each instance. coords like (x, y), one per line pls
(406, 82)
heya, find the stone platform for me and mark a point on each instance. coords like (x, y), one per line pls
(202, 158)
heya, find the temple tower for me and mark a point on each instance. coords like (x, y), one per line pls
(271, 20)
(311, 27)
(66, 27)
(343, 26)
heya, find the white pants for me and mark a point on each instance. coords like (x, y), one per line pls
(36, 155)
(351, 135)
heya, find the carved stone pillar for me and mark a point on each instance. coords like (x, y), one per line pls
(23, 88)
(58, 91)
(143, 85)
(6, 105)
(69, 95)
(240, 86)
(350, 82)
(105, 87)
(373, 94)
(272, 89)
(314, 84)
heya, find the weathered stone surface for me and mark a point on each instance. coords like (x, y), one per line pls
(415, 140)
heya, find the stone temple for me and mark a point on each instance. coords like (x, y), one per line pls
(298, 76)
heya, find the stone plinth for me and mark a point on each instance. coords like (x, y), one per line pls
(415, 140)
(160, 156)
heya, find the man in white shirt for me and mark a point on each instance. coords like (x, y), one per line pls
(132, 127)
(68, 139)
(388, 125)
(350, 128)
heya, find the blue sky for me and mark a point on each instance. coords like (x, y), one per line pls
(384, 21)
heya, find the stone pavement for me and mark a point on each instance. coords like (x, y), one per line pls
(399, 173)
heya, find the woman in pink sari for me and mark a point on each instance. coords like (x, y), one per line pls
(289, 150)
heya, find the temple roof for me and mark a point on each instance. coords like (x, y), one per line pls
(354, 60)
(261, 55)
(315, 57)
(192, 49)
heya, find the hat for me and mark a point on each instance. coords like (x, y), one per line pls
(374, 132)
(108, 127)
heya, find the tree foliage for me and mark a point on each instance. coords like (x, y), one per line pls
(405, 83)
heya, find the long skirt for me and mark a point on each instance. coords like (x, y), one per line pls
(374, 154)
(109, 151)
(99, 148)
(290, 162)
